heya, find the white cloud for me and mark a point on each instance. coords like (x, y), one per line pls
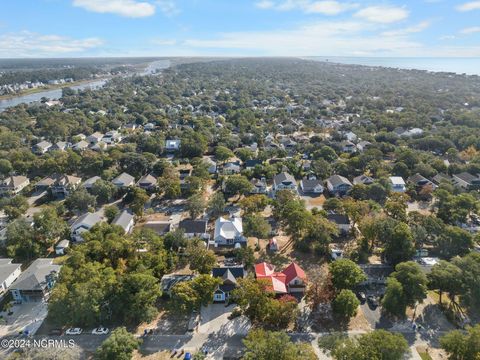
(383, 14)
(127, 8)
(28, 44)
(164, 42)
(469, 6)
(470, 30)
(326, 7)
(168, 7)
(265, 4)
(408, 30)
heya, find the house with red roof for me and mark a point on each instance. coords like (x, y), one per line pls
(290, 280)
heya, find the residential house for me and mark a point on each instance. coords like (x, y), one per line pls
(398, 184)
(466, 181)
(229, 276)
(363, 145)
(45, 183)
(363, 180)
(231, 167)
(64, 185)
(123, 180)
(42, 147)
(342, 221)
(130, 127)
(62, 246)
(172, 145)
(229, 232)
(195, 228)
(9, 272)
(291, 280)
(99, 146)
(170, 280)
(147, 182)
(112, 137)
(125, 220)
(80, 146)
(83, 224)
(36, 282)
(251, 163)
(348, 147)
(259, 186)
(350, 136)
(311, 186)
(440, 177)
(95, 138)
(420, 181)
(212, 165)
(338, 185)
(90, 182)
(59, 146)
(284, 181)
(12, 185)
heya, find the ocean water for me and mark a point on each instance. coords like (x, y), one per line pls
(470, 66)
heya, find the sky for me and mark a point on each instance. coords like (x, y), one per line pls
(85, 28)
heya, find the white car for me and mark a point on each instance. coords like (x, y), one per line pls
(100, 331)
(73, 331)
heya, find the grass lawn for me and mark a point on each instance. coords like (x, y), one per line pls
(424, 356)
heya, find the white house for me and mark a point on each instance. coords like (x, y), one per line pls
(124, 180)
(61, 247)
(338, 185)
(82, 224)
(284, 181)
(95, 138)
(228, 231)
(172, 145)
(313, 186)
(398, 184)
(8, 274)
(13, 185)
(125, 220)
(42, 147)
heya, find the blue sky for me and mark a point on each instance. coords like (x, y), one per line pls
(69, 28)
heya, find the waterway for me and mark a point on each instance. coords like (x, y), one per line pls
(54, 94)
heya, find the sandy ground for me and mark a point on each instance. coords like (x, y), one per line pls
(28, 316)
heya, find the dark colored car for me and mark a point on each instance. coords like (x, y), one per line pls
(372, 301)
(362, 297)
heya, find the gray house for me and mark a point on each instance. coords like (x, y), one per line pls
(124, 180)
(125, 220)
(82, 224)
(36, 282)
(8, 274)
(338, 185)
(284, 181)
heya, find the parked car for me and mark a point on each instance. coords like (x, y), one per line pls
(100, 331)
(372, 301)
(362, 297)
(73, 331)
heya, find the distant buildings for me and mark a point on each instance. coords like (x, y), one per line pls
(83, 224)
(338, 185)
(228, 232)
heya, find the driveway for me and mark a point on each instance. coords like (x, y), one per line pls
(214, 319)
(28, 316)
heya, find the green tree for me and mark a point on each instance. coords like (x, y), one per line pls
(20, 241)
(470, 268)
(5, 167)
(254, 203)
(118, 346)
(111, 212)
(216, 204)
(80, 200)
(256, 226)
(394, 301)
(461, 346)
(48, 227)
(237, 185)
(346, 274)
(378, 344)
(454, 241)
(223, 153)
(196, 205)
(345, 304)
(399, 246)
(268, 345)
(103, 190)
(413, 280)
(16, 207)
(201, 259)
(445, 277)
(138, 198)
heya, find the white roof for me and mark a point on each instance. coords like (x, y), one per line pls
(228, 228)
(397, 180)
